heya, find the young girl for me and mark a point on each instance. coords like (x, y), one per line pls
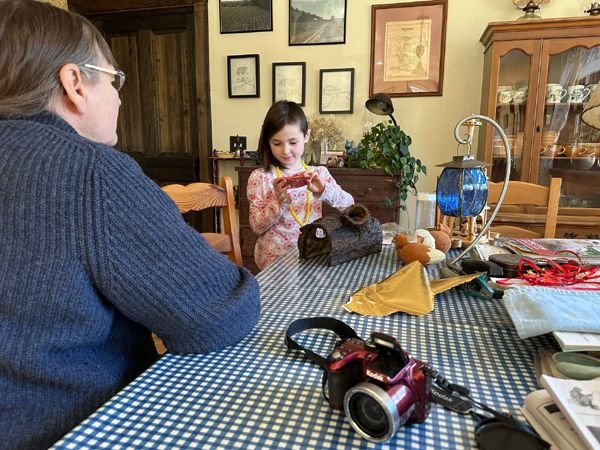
(277, 211)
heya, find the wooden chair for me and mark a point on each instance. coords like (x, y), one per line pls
(199, 196)
(521, 193)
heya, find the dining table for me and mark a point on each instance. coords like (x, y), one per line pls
(257, 394)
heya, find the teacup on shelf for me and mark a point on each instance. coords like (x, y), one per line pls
(551, 151)
(555, 93)
(549, 137)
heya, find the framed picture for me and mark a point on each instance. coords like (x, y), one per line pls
(289, 82)
(245, 16)
(243, 76)
(407, 48)
(317, 22)
(336, 87)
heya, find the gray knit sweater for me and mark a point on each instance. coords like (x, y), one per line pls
(93, 255)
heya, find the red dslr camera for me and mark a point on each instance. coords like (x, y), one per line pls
(295, 181)
(379, 386)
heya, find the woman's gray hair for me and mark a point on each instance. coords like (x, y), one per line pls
(38, 39)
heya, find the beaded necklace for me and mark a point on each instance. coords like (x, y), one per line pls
(306, 208)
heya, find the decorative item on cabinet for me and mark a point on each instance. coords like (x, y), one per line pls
(325, 134)
(594, 9)
(386, 146)
(529, 7)
(369, 187)
(556, 60)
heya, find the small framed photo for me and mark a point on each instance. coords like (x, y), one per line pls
(407, 48)
(245, 16)
(289, 82)
(336, 87)
(317, 22)
(243, 76)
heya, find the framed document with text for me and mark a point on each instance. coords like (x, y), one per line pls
(407, 48)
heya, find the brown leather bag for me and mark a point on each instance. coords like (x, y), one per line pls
(345, 237)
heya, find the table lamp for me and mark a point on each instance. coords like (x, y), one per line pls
(462, 187)
(381, 104)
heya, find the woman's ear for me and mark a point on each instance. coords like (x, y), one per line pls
(73, 86)
(307, 136)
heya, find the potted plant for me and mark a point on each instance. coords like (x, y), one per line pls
(386, 146)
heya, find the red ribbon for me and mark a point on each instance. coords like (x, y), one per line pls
(565, 273)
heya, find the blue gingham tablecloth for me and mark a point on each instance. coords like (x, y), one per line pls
(257, 395)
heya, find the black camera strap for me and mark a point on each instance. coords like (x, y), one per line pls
(325, 323)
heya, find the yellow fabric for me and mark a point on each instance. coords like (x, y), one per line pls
(60, 3)
(407, 290)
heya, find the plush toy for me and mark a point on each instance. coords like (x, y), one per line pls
(423, 249)
(442, 237)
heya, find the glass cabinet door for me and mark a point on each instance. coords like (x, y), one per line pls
(570, 149)
(512, 99)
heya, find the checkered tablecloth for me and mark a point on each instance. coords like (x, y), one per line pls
(257, 395)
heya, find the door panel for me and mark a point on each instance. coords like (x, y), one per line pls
(157, 123)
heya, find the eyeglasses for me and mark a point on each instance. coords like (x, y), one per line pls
(119, 75)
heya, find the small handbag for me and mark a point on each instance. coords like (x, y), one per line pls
(345, 237)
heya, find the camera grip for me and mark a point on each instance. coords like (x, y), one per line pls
(340, 381)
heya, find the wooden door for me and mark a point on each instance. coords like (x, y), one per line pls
(157, 122)
(164, 122)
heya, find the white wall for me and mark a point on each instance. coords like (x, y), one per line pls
(429, 121)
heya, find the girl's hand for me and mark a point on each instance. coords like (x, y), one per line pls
(281, 191)
(316, 185)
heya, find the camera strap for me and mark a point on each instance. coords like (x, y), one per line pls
(310, 323)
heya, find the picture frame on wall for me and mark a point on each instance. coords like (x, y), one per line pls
(245, 16)
(407, 48)
(317, 22)
(336, 91)
(289, 82)
(243, 76)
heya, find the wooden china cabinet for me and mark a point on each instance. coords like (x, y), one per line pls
(538, 76)
(369, 187)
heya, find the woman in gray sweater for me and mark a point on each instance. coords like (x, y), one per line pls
(93, 255)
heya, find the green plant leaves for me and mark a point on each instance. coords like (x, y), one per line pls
(387, 146)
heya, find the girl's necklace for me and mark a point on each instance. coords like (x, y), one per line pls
(306, 208)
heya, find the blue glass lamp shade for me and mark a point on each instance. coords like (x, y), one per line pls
(462, 191)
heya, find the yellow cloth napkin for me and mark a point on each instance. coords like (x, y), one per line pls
(407, 290)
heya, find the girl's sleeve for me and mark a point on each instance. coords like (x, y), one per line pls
(333, 194)
(264, 206)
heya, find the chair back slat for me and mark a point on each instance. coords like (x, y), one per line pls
(199, 196)
(522, 193)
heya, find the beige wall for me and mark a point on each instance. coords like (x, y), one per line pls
(429, 121)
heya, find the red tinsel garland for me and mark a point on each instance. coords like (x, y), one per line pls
(559, 273)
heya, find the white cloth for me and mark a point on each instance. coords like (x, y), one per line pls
(540, 310)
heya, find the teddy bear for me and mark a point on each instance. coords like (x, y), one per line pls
(429, 247)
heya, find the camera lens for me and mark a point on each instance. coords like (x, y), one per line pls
(371, 412)
(369, 415)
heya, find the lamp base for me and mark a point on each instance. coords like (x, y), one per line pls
(465, 230)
